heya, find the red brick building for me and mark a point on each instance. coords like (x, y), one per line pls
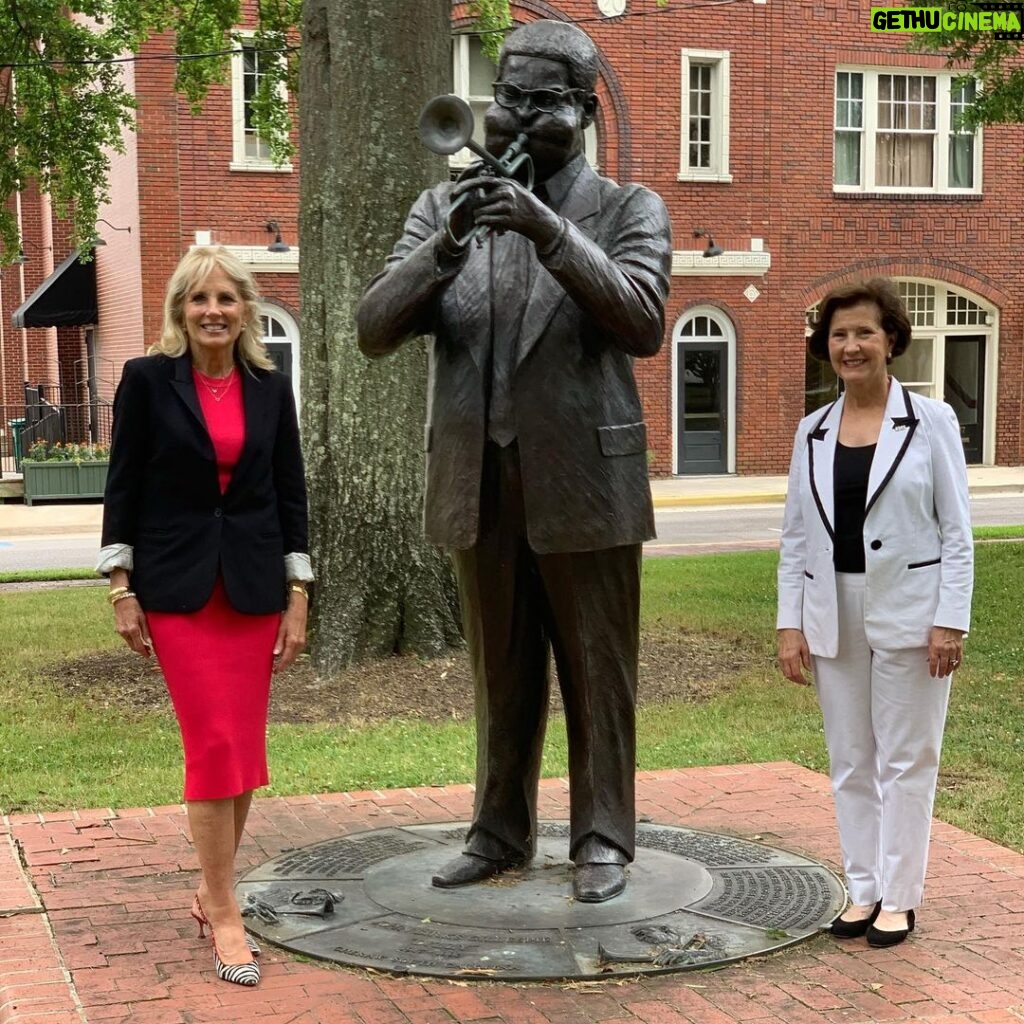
(810, 150)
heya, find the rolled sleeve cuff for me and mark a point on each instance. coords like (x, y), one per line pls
(115, 556)
(298, 567)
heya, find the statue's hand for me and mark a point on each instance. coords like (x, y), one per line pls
(505, 205)
(461, 218)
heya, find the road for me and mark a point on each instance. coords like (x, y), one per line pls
(691, 530)
(682, 530)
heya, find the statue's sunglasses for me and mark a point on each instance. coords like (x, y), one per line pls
(547, 101)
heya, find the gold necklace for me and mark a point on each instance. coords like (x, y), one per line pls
(217, 391)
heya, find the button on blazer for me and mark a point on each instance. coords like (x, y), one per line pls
(918, 547)
(163, 496)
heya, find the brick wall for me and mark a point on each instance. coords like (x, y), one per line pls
(782, 65)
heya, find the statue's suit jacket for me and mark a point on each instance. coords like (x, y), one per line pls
(594, 303)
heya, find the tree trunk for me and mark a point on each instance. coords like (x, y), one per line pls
(367, 68)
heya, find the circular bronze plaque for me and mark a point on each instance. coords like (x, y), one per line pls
(693, 899)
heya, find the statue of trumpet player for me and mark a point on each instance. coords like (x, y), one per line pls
(536, 478)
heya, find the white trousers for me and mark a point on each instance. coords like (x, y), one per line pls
(884, 716)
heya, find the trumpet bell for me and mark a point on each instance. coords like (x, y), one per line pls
(446, 125)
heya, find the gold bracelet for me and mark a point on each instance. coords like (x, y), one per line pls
(298, 588)
(120, 597)
(115, 592)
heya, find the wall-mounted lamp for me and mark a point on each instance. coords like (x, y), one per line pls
(278, 244)
(711, 249)
(113, 227)
(22, 256)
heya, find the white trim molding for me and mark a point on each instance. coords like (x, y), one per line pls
(693, 263)
(260, 260)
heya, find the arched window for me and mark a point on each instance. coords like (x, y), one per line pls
(704, 392)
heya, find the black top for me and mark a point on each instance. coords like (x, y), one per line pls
(850, 473)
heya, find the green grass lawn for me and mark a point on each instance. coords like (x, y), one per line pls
(56, 751)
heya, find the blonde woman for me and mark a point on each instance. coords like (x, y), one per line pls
(204, 541)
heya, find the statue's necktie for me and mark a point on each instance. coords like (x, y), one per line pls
(513, 265)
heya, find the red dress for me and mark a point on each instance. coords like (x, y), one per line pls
(218, 662)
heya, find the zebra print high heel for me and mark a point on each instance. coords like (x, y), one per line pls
(202, 920)
(247, 974)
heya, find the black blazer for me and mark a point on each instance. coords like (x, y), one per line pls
(163, 496)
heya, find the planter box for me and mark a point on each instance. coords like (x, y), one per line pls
(63, 481)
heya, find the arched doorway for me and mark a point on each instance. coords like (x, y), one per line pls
(704, 392)
(281, 336)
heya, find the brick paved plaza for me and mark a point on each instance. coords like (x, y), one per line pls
(95, 928)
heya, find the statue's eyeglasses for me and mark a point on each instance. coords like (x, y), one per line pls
(547, 101)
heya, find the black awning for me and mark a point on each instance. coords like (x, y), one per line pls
(67, 298)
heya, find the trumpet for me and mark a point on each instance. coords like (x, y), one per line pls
(446, 126)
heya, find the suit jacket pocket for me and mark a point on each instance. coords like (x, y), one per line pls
(626, 439)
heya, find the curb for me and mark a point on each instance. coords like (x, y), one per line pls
(676, 501)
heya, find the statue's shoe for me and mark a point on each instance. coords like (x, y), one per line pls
(595, 883)
(468, 868)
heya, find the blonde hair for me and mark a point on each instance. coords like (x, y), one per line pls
(195, 266)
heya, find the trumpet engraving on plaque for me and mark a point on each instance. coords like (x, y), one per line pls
(695, 899)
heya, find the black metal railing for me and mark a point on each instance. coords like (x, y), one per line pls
(44, 416)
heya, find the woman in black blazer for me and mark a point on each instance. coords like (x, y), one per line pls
(204, 540)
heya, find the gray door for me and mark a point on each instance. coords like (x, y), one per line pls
(281, 353)
(964, 390)
(702, 409)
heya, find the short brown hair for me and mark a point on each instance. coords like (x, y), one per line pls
(879, 290)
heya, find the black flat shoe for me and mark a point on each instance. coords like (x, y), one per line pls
(880, 939)
(854, 929)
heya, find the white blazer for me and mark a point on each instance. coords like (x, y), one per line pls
(918, 549)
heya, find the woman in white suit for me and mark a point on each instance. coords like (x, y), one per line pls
(876, 571)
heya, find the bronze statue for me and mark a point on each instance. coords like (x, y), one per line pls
(536, 446)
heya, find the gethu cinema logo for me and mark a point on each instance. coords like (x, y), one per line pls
(938, 19)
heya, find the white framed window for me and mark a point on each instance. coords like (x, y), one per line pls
(896, 131)
(704, 105)
(250, 152)
(473, 73)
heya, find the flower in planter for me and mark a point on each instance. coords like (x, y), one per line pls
(57, 451)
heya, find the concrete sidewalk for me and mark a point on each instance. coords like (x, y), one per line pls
(94, 923)
(69, 519)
